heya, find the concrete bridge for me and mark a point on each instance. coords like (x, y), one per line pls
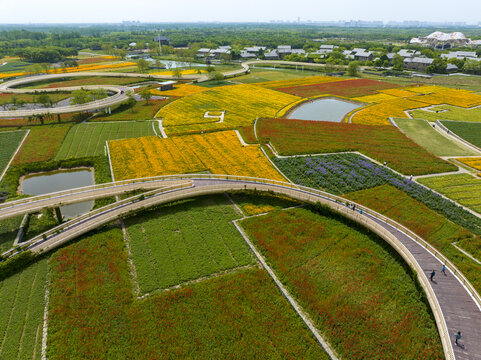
(455, 303)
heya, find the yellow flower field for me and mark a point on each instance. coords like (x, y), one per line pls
(183, 72)
(475, 163)
(394, 102)
(218, 153)
(86, 67)
(298, 82)
(242, 103)
(180, 90)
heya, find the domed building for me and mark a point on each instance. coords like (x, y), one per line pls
(442, 40)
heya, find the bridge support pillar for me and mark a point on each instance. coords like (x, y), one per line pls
(58, 214)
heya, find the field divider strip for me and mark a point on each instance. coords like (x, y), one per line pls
(325, 345)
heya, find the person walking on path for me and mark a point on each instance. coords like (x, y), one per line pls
(458, 336)
(432, 275)
(443, 270)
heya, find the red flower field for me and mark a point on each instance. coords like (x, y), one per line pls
(347, 88)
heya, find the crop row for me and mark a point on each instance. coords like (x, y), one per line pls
(10, 141)
(383, 143)
(448, 112)
(344, 173)
(349, 283)
(21, 314)
(8, 232)
(470, 132)
(463, 188)
(475, 163)
(218, 153)
(184, 242)
(89, 139)
(93, 315)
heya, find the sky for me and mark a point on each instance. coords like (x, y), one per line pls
(88, 11)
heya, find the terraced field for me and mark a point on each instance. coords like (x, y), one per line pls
(89, 139)
(462, 188)
(183, 242)
(21, 314)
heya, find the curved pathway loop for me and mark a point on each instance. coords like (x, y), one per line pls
(455, 303)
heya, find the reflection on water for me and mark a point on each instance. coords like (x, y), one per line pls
(332, 110)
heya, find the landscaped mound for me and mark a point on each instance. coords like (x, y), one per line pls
(468, 131)
(346, 88)
(383, 143)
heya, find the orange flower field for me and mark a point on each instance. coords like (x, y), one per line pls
(475, 163)
(217, 153)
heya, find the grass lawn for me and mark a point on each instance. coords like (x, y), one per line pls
(348, 280)
(424, 135)
(187, 241)
(462, 188)
(42, 143)
(9, 141)
(83, 81)
(88, 139)
(468, 131)
(93, 314)
(21, 313)
(449, 112)
(259, 74)
(8, 232)
(31, 98)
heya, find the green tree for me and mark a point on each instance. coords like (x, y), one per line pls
(177, 73)
(398, 62)
(80, 96)
(142, 65)
(98, 94)
(352, 68)
(146, 95)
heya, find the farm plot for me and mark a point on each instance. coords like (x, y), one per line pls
(141, 110)
(84, 81)
(348, 281)
(475, 162)
(218, 153)
(278, 84)
(346, 88)
(21, 314)
(94, 315)
(462, 188)
(343, 173)
(180, 90)
(242, 103)
(42, 143)
(467, 131)
(448, 112)
(10, 141)
(424, 135)
(183, 242)
(431, 226)
(382, 143)
(89, 139)
(8, 232)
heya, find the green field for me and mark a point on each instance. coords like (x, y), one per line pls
(93, 314)
(448, 112)
(470, 132)
(257, 75)
(349, 281)
(21, 315)
(424, 135)
(462, 188)
(9, 141)
(184, 242)
(8, 232)
(140, 111)
(88, 139)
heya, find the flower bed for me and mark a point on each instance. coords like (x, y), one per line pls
(383, 143)
(218, 153)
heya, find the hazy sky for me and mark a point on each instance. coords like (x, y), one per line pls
(61, 11)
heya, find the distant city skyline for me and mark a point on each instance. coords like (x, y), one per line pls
(109, 11)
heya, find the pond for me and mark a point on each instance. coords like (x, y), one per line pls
(44, 183)
(326, 109)
(172, 64)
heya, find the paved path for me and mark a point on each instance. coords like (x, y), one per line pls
(454, 306)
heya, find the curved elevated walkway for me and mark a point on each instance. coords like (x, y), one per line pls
(455, 303)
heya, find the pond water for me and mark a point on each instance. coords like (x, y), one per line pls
(44, 183)
(330, 109)
(172, 64)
